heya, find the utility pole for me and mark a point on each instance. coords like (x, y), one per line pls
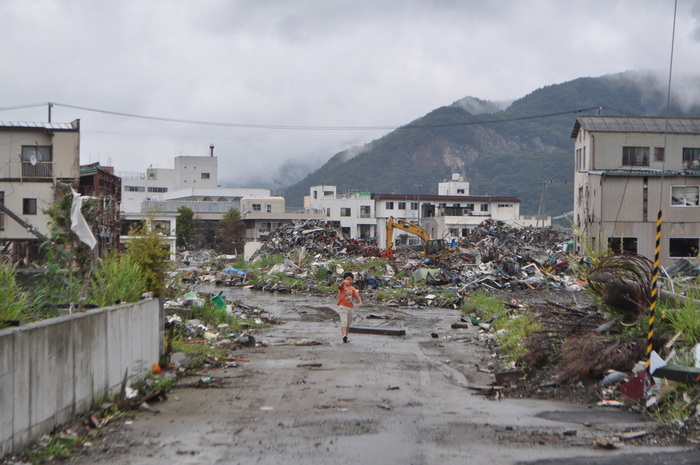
(419, 186)
(541, 209)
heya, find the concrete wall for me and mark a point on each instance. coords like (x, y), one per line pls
(54, 369)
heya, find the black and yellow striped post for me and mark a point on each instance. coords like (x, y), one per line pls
(654, 290)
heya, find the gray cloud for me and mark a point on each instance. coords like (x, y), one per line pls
(312, 63)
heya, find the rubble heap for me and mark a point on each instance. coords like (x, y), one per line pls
(319, 239)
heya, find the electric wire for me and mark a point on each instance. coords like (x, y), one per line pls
(301, 127)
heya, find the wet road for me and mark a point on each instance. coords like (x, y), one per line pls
(377, 400)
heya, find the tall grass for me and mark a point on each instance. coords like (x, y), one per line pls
(117, 278)
(686, 320)
(13, 301)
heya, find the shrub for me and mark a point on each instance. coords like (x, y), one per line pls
(147, 250)
(117, 278)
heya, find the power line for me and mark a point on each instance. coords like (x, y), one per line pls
(298, 127)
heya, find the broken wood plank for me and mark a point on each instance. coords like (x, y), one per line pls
(382, 331)
(486, 388)
(508, 376)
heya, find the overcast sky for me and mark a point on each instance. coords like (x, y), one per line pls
(309, 63)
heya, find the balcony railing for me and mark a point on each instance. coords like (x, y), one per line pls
(40, 169)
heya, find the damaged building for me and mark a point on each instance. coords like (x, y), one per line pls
(37, 160)
(448, 215)
(627, 168)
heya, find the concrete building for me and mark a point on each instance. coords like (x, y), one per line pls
(443, 216)
(629, 168)
(36, 161)
(352, 213)
(363, 215)
(190, 174)
(193, 183)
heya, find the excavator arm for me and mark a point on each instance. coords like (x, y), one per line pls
(398, 223)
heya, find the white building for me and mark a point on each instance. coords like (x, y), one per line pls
(190, 174)
(363, 215)
(353, 213)
(193, 183)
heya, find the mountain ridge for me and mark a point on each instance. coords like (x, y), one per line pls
(511, 148)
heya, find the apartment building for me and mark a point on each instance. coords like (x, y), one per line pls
(36, 161)
(363, 215)
(627, 168)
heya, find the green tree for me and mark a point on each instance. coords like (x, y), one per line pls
(230, 235)
(185, 226)
(147, 250)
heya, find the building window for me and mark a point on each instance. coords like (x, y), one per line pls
(484, 207)
(460, 191)
(365, 211)
(134, 188)
(269, 208)
(691, 158)
(623, 244)
(257, 207)
(658, 154)
(414, 205)
(162, 227)
(152, 175)
(37, 160)
(328, 193)
(206, 176)
(157, 189)
(402, 205)
(328, 212)
(345, 231)
(635, 156)
(683, 246)
(29, 206)
(389, 205)
(470, 206)
(345, 211)
(505, 205)
(685, 196)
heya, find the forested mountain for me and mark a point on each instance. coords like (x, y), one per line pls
(501, 149)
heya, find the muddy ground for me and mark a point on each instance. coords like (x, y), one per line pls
(422, 398)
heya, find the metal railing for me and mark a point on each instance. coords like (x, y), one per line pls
(40, 169)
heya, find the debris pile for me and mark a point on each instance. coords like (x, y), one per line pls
(319, 239)
(493, 256)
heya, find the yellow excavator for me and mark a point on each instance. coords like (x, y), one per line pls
(430, 246)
